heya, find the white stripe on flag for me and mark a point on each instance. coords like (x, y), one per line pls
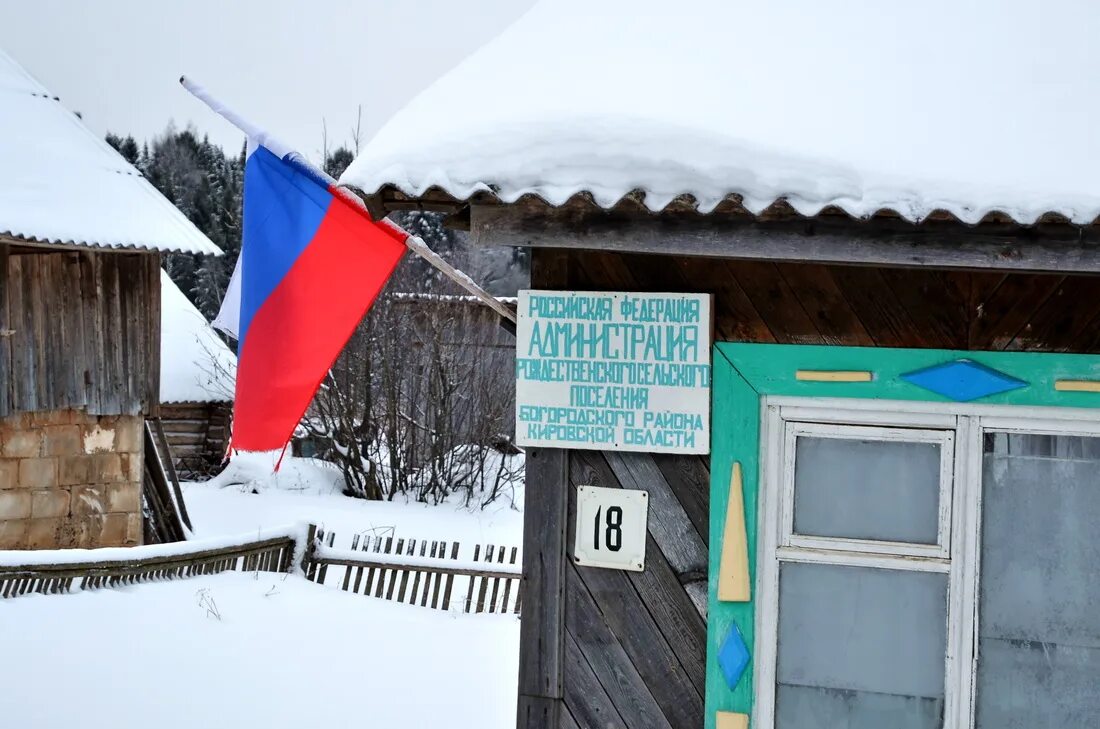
(228, 319)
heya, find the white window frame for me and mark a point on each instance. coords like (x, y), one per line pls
(959, 557)
(945, 439)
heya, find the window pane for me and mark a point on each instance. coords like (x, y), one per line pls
(1039, 609)
(860, 648)
(865, 489)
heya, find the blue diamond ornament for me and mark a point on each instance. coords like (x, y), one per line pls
(963, 380)
(733, 656)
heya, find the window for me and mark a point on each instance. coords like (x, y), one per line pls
(1039, 597)
(860, 647)
(927, 570)
(900, 478)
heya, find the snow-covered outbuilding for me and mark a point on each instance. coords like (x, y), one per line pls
(894, 207)
(81, 232)
(197, 379)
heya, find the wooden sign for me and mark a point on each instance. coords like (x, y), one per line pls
(611, 528)
(613, 371)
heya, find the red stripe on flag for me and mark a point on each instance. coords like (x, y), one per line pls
(298, 332)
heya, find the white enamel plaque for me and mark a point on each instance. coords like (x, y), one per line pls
(611, 528)
(613, 371)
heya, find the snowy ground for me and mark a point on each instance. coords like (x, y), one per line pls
(305, 490)
(243, 650)
(261, 650)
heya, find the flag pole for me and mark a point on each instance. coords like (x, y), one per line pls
(257, 136)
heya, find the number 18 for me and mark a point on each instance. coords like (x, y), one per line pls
(613, 532)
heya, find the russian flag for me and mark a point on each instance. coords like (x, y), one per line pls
(312, 263)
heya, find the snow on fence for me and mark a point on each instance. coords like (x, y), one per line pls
(429, 573)
(63, 570)
(434, 574)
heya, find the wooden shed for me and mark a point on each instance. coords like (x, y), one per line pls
(80, 239)
(197, 380)
(894, 210)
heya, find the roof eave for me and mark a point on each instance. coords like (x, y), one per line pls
(389, 199)
(69, 245)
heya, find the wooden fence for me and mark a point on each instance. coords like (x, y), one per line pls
(275, 554)
(416, 572)
(434, 574)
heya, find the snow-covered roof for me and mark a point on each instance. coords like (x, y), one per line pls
(195, 365)
(60, 183)
(963, 107)
(447, 298)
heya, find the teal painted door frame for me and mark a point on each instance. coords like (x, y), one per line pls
(744, 373)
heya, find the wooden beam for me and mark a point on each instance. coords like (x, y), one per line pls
(538, 712)
(542, 630)
(162, 443)
(152, 315)
(1049, 248)
(7, 331)
(542, 590)
(25, 245)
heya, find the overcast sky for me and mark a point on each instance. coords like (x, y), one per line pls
(284, 64)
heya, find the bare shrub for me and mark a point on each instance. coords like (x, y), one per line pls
(420, 402)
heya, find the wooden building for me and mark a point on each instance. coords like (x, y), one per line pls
(197, 380)
(80, 239)
(895, 211)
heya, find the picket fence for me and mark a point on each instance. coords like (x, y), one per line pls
(430, 573)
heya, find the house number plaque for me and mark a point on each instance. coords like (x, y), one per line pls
(611, 528)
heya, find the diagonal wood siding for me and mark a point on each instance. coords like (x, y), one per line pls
(84, 331)
(642, 635)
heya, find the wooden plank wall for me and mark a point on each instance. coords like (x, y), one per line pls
(631, 647)
(796, 303)
(198, 435)
(466, 335)
(85, 331)
(636, 641)
(6, 332)
(605, 648)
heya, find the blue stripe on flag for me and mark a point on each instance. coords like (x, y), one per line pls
(283, 209)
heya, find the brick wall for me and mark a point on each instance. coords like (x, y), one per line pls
(69, 479)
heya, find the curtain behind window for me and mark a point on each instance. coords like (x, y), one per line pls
(1039, 605)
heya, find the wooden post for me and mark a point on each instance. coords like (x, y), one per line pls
(169, 525)
(307, 553)
(171, 468)
(7, 331)
(542, 629)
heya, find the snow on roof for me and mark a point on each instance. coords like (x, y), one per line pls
(195, 365)
(62, 184)
(970, 108)
(447, 298)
